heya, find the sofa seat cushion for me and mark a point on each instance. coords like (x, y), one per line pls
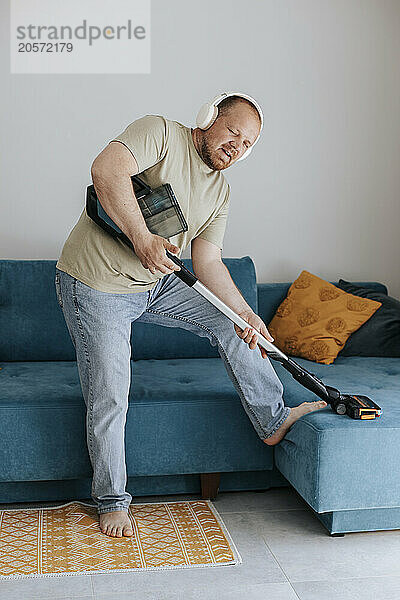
(183, 414)
(57, 383)
(338, 463)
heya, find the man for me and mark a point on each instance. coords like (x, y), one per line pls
(103, 286)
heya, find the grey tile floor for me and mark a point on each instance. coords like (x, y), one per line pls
(286, 553)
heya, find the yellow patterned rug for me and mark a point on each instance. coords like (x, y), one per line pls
(66, 540)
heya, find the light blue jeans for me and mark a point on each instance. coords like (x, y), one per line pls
(99, 324)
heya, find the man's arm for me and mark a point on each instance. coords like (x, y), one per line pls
(211, 271)
(111, 174)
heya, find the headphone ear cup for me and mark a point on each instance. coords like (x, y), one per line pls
(206, 116)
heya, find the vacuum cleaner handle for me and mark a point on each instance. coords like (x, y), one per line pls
(184, 274)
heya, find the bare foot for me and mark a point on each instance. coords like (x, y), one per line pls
(116, 524)
(295, 413)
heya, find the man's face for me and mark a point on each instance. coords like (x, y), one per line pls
(229, 137)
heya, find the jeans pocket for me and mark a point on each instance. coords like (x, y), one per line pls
(58, 289)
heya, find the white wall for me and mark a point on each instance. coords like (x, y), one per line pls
(321, 189)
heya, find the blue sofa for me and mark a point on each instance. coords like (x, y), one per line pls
(190, 433)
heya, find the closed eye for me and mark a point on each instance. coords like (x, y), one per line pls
(246, 144)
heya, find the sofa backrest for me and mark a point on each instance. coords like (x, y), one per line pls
(32, 325)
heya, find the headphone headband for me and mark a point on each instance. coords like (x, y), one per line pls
(218, 99)
(209, 112)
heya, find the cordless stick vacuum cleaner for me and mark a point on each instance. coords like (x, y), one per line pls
(355, 406)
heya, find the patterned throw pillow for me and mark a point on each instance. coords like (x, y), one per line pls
(316, 318)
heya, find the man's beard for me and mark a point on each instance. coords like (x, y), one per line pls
(205, 153)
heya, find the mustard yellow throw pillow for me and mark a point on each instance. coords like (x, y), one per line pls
(316, 318)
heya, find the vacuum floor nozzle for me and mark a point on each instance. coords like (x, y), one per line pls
(356, 407)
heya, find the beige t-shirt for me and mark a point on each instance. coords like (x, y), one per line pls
(165, 153)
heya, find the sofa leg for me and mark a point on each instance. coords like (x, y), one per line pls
(337, 534)
(209, 485)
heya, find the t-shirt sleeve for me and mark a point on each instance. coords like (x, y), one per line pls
(214, 232)
(146, 139)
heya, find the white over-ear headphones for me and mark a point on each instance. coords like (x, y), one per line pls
(209, 112)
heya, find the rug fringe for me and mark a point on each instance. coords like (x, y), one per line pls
(111, 571)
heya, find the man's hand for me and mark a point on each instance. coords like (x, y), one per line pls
(248, 335)
(150, 249)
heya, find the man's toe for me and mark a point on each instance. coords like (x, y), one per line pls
(128, 530)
